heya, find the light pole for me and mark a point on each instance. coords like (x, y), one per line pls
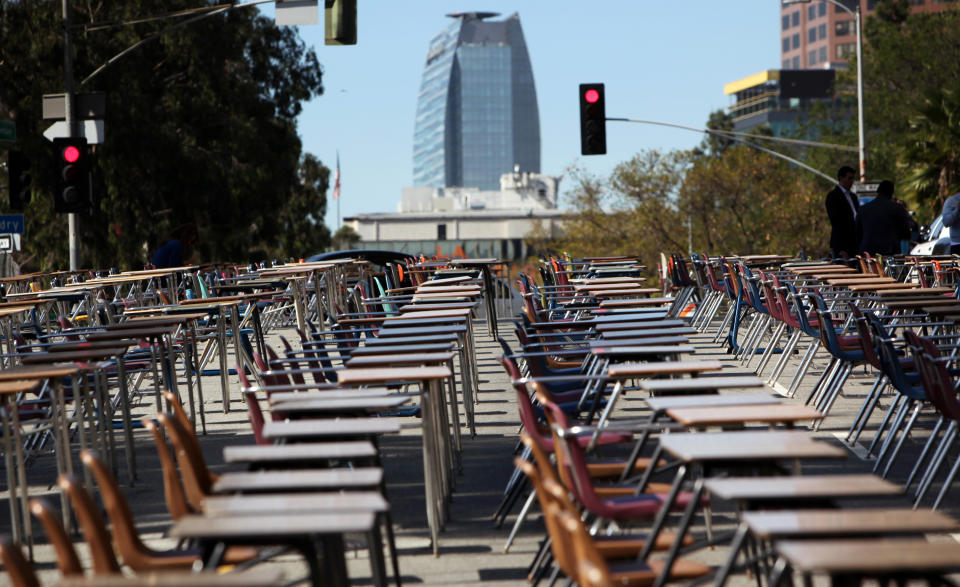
(856, 24)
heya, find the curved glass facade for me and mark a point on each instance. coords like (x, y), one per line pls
(477, 111)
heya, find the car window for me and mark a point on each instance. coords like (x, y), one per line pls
(938, 230)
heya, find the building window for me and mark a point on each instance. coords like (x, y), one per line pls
(822, 8)
(796, 62)
(786, 44)
(842, 28)
(845, 50)
(811, 12)
(786, 21)
(812, 35)
(850, 4)
(822, 32)
(785, 64)
(812, 58)
(823, 54)
(795, 19)
(796, 41)
(441, 232)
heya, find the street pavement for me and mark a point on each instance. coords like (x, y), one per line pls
(471, 549)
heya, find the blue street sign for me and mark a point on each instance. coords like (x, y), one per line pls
(11, 223)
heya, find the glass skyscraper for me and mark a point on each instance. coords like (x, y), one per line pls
(477, 113)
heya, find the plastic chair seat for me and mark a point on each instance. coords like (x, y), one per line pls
(625, 546)
(623, 491)
(639, 574)
(601, 469)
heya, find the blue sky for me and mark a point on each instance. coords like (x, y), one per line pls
(661, 60)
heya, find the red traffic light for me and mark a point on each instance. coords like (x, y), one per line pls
(71, 154)
(591, 96)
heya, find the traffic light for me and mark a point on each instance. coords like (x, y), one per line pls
(73, 185)
(18, 186)
(593, 120)
(340, 22)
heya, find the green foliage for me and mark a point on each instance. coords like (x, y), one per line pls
(345, 238)
(738, 201)
(200, 128)
(911, 72)
(715, 145)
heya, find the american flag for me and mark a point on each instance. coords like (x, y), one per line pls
(336, 179)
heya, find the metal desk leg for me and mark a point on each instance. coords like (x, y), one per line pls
(455, 414)
(8, 452)
(222, 352)
(194, 357)
(429, 467)
(661, 519)
(738, 539)
(127, 423)
(682, 530)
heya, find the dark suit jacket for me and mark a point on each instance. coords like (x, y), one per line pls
(843, 228)
(881, 224)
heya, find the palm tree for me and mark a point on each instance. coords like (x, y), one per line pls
(931, 152)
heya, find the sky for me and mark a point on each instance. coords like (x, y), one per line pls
(664, 60)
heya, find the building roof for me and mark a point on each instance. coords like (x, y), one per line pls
(751, 81)
(459, 214)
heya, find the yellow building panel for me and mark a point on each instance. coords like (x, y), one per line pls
(751, 81)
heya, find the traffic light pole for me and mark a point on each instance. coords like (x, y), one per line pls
(72, 219)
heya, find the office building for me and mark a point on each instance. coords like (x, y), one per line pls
(779, 99)
(477, 114)
(821, 35)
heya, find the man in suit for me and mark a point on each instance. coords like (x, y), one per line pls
(842, 209)
(882, 223)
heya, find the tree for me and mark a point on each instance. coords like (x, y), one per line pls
(908, 62)
(345, 238)
(712, 144)
(200, 129)
(931, 149)
(749, 202)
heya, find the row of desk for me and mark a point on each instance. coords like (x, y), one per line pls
(798, 533)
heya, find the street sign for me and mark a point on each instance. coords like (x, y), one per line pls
(8, 130)
(85, 106)
(296, 12)
(9, 243)
(11, 223)
(92, 130)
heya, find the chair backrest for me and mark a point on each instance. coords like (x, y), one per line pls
(255, 415)
(126, 539)
(591, 568)
(866, 336)
(172, 487)
(937, 380)
(890, 359)
(16, 565)
(528, 415)
(197, 483)
(272, 379)
(92, 525)
(173, 400)
(68, 562)
(571, 462)
(273, 356)
(65, 324)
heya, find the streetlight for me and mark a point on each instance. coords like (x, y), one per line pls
(856, 23)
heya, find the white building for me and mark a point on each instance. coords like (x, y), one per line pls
(466, 221)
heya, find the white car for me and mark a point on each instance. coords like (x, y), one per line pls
(939, 240)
